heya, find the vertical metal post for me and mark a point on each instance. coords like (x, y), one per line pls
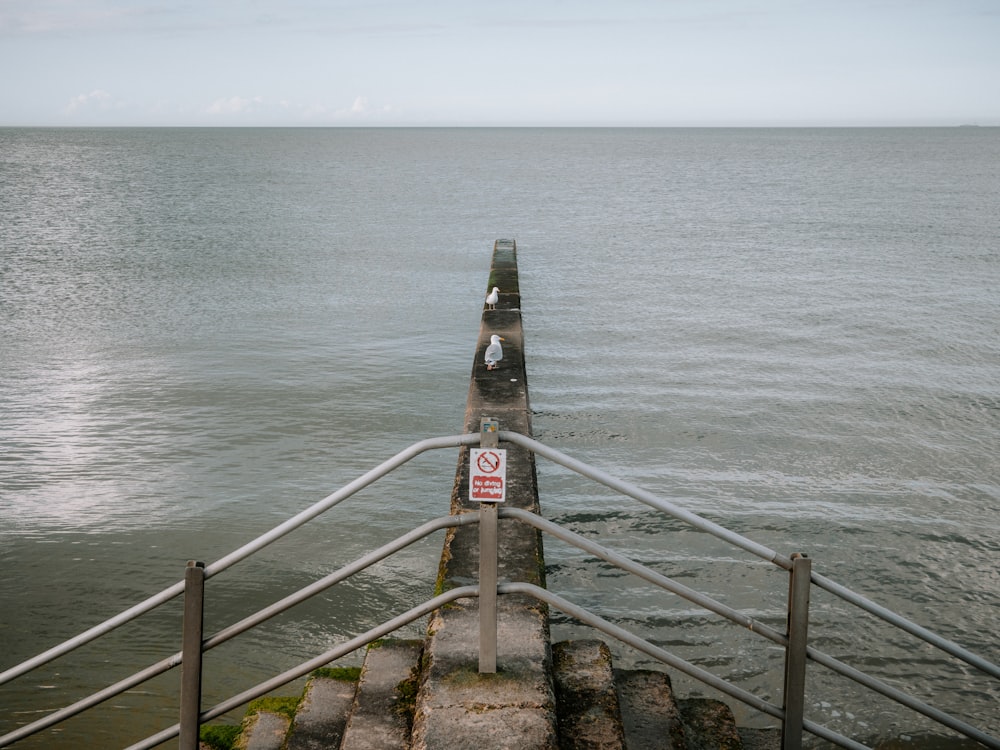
(194, 606)
(795, 654)
(488, 438)
(487, 588)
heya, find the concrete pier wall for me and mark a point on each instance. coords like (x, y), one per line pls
(456, 706)
(444, 693)
(502, 394)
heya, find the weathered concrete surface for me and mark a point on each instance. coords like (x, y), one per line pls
(650, 715)
(322, 715)
(381, 716)
(263, 730)
(709, 725)
(460, 709)
(586, 699)
(457, 707)
(770, 739)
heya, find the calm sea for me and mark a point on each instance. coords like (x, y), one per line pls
(791, 332)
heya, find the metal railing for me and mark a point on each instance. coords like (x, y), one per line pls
(793, 640)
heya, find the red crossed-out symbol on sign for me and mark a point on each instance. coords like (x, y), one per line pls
(488, 462)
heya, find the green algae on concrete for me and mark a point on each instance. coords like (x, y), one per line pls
(284, 706)
(343, 674)
(219, 736)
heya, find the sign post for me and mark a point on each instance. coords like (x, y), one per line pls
(488, 485)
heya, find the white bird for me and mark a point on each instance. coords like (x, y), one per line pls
(492, 298)
(494, 352)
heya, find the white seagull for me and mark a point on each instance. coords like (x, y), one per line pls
(494, 352)
(492, 298)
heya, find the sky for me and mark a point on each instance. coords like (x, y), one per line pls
(650, 63)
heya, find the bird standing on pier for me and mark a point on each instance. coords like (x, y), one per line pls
(492, 298)
(494, 352)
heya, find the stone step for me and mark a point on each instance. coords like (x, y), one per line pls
(761, 739)
(587, 708)
(709, 725)
(382, 714)
(460, 709)
(650, 714)
(343, 709)
(597, 707)
(602, 708)
(322, 715)
(264, 726)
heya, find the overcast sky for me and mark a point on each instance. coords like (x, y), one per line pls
(503, 62)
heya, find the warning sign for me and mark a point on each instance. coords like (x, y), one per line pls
(487, 475)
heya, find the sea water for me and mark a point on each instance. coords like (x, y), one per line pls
(791, 332)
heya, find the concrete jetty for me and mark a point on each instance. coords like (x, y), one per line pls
(435, 694)
(456, 706)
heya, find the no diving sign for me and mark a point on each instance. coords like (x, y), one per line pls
(487, 475)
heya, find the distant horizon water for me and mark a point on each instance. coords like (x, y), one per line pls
(527, 125)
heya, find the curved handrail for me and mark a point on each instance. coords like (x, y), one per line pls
(241, 553)
(247, 623)
(541, 594)
(306, 667)
(637, 569)
(754, 626)
(666, 657)
(643, 496)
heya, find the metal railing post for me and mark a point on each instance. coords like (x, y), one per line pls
(488, 438)
(194, 607)
(795, 653)
(487, 588)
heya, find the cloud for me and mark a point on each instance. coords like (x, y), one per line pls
(361, 109)
(360, 106)
(96, 99)
(235, 105)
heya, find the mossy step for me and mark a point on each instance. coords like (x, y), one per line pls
(602, 708)
(587, 706)
(382, 714)
(313, 721)
(266, 724)
(322, 715)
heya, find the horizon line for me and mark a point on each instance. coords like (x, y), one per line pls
(427, 126)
